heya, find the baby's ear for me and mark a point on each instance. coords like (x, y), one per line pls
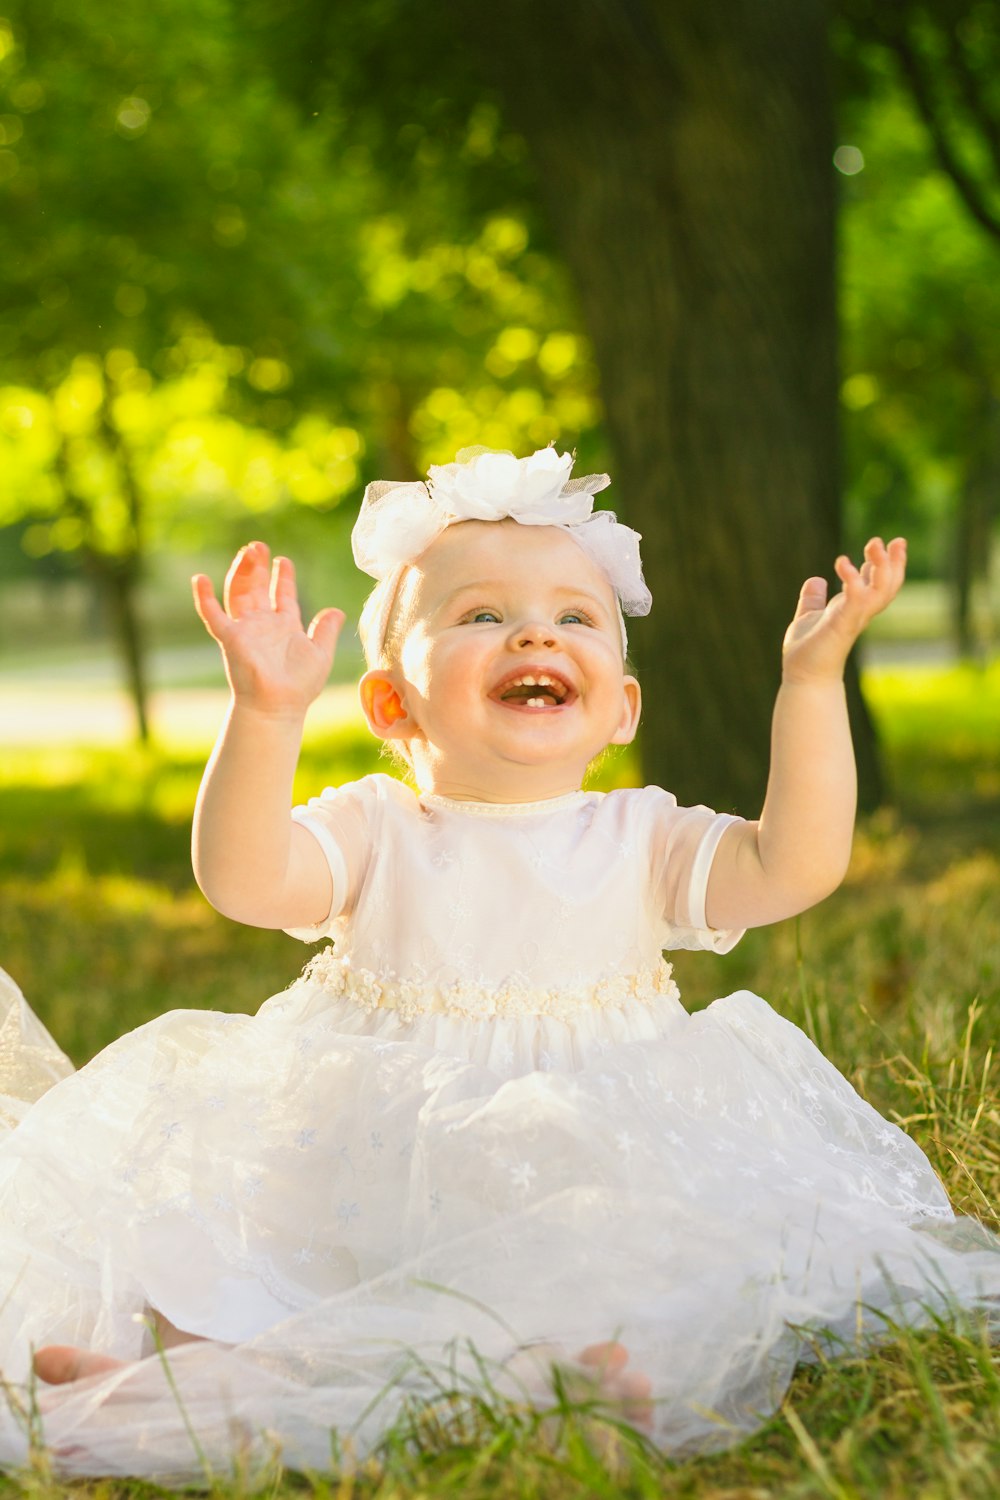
(631, 709)
(382, 702)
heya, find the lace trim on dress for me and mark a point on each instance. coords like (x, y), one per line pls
(410, 998)
(504, 809)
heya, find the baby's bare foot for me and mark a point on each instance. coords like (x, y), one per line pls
(630, 1390)
(60, 1364)
(596, 1373)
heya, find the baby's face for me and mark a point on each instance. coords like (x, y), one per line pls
(510, 669)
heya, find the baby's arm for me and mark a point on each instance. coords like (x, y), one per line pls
(251, 860)
(799, 850)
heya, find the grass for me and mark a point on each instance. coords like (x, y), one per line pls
(897, 979)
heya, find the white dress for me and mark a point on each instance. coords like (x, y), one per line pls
(481, 1118)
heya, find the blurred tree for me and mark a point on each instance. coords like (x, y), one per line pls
(106, 463)
(683, 156)
(368, 207)
(154, 183)
(947, 53)
(921, 292)
(134, 155)
(127, 219)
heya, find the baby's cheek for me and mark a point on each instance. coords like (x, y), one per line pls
(416, 660)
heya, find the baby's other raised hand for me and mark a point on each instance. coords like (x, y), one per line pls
(272, 663)
(818, 640)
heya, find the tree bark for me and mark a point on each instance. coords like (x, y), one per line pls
(974, 523)
(119, 583)
(123, 571)
(685, 154)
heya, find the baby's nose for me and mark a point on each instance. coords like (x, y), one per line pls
(535, 633)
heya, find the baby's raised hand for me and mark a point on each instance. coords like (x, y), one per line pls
(272, 663)
(818, 640)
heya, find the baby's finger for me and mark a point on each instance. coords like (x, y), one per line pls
(812, 597)
(210, 611)
(283, 593)
(855, 601)
(886, 569)
(849, 575)
(870, 589)
(246, 582)
(325, 628)
(896, 551)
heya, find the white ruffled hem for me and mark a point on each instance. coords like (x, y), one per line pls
(339, 1194)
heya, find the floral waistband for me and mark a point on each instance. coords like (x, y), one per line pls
(412, 998)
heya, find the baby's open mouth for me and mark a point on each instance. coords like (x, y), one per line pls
(534, 690)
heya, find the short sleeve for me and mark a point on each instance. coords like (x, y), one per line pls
(684, 841)
(341, 821)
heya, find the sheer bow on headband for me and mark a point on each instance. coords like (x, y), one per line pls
(398, 522)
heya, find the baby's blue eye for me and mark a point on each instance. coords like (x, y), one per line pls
(574, 617)
(482, 616)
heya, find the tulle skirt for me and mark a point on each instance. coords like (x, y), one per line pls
(350, 1210)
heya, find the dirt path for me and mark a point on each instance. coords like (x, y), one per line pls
(57, 712)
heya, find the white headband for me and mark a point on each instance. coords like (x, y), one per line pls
(399, 521)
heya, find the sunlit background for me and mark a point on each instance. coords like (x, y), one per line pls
(257, 253)
(221, 315)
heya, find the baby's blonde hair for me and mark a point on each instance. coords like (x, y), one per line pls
(380, 630)
(382, 622)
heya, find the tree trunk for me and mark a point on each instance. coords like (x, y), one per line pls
(120, 591)
(965, 573)
(974, 523)
(123, 571)
(685, 152)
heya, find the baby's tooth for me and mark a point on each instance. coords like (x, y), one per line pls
(536, 702)
(527, 681)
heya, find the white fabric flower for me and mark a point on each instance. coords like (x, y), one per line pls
(398, 522)
(494, 485)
